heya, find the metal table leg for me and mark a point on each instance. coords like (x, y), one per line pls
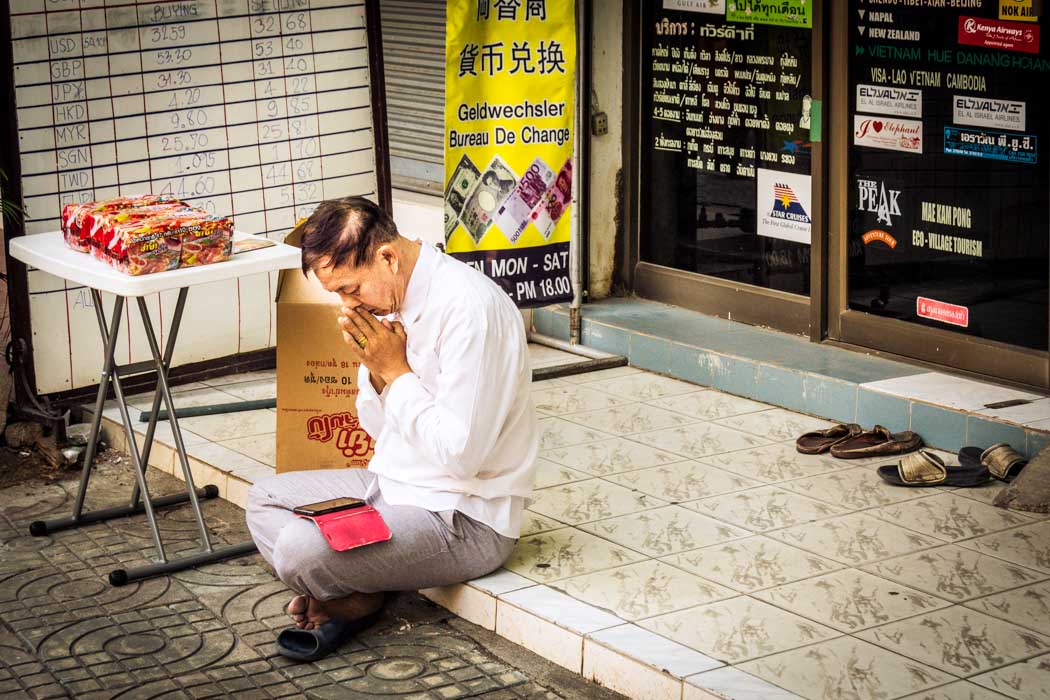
(111, 375)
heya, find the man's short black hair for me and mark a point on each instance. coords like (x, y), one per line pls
(345, 231)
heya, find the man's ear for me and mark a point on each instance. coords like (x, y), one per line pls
(388, 255)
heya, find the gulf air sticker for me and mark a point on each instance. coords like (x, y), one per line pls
(785, 201)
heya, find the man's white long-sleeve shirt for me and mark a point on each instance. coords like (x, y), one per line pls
(459, 431)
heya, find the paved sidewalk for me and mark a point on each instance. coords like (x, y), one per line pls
(66, 633)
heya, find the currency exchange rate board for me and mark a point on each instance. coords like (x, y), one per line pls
(257, 109)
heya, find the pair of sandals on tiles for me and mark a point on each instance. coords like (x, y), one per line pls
(851, 441)
(917, 467)
(976, 467)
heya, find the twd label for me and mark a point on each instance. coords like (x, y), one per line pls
(530, 276)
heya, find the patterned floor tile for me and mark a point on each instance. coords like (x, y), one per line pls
(765, 508)
(1028, 606)
(951, 517)
(534, 523)
(700, 440)
(629, 419)
(558, 432)
(961, 690)
(643, 386)
(855, 539)
(1028, 546)
(1025, 681)
(774, 463)
(854, 488)
(709, 405)
(683, 481)
(585, 501)
(955, 573)
(846, 669)
(558, 554)
(958, 640)
(752, 563)
(549, 474)
(643, 590)
(601, 375)
(571, 398)
(738, 629)
(610, 456)
(985, 493)
(664, 531)
(850, 600)
(776, 424)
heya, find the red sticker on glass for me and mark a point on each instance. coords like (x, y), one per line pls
(942, 311)
(996, 34)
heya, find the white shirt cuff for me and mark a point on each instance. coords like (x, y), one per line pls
(368, 392)
(402, 394)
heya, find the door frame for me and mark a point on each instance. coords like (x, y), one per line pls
(791, 313)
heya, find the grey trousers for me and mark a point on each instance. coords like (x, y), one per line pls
(426, 548)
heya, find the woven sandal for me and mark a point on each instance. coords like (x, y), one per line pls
(924, 468)
(820, 441)
(1001, 460)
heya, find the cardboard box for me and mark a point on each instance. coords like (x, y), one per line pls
(317, 424)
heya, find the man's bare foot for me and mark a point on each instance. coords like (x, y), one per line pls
(309, 613)
(297, 608)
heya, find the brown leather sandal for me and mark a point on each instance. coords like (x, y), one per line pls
(818, 442)
(877, 442)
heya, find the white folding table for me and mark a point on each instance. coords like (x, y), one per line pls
(49, 253)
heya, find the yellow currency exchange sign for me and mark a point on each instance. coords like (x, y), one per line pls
(509, 76)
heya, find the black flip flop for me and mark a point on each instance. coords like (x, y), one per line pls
(1001, 460)
(315, 644)
(924, 468)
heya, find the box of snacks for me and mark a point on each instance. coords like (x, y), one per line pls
(146, 234)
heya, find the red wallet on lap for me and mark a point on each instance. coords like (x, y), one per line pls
(355, 527)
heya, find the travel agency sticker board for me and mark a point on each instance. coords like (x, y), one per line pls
(949, 194)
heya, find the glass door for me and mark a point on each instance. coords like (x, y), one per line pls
(946, 172)
(728, 195)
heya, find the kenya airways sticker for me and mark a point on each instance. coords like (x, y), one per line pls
(996, 34)
(887, 133)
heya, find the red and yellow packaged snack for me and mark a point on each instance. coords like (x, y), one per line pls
(146, 234)
(208, 241)
(77, 219)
